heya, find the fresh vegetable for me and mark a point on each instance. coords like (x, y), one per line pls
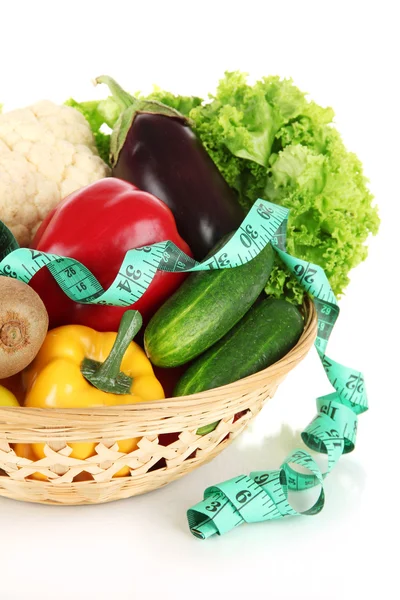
(69, 372)
(269, 141)
(46, 152)
(203, 309)
(265, 334)
(7, 398)
(23, 326)
(153, 147)
(97, 225)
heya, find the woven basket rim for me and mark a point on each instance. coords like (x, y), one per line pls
(309, 331)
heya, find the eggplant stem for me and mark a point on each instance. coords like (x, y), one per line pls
(122, 98)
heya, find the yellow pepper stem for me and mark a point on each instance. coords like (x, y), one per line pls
(107, 376)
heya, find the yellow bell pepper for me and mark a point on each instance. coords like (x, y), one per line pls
(7, 398)
(14, 385)
(78, 367)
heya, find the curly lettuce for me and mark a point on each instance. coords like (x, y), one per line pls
(269, 141)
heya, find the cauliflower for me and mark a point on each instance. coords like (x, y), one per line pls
(47, 151)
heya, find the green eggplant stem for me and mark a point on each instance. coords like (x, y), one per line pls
(123, 99)
(107, 376)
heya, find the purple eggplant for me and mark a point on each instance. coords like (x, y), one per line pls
(154, 147)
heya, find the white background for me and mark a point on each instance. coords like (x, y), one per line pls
(343, 54)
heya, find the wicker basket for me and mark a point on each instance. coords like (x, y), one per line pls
(168, 447)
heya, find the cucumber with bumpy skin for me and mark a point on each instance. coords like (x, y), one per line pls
(265, 334)
(206, 306)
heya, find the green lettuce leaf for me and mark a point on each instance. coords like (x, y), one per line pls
(183, 104)
(293, 156)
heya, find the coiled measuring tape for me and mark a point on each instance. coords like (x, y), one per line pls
(262, 495)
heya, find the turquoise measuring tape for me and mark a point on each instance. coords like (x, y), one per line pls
(262, 495)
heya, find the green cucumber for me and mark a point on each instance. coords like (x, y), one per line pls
(206, 306)
(265, 334)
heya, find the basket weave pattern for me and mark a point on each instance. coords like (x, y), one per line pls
(168, 445)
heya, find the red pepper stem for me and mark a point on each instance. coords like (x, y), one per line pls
(107, 376)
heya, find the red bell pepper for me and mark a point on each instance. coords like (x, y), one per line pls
(97, 225)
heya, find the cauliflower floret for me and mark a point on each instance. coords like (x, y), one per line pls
(47, 151)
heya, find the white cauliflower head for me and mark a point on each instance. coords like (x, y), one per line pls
(47, 151)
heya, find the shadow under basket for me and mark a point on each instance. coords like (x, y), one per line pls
(167, 446)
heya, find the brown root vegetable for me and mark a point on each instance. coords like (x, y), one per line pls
(23, 326)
